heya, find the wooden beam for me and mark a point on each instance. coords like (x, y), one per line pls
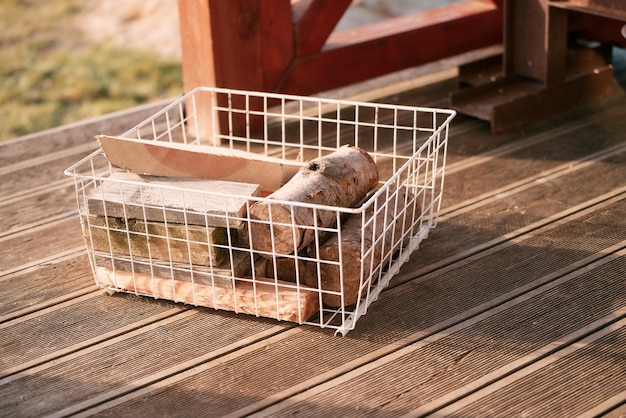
(173, 200)
(314, 21)
(396, 44)
(597, 28)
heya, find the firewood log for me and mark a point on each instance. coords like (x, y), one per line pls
(380, 239)
(342, 178)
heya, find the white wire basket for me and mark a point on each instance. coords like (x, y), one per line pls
(181, 240)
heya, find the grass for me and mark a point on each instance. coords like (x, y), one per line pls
(50, 77)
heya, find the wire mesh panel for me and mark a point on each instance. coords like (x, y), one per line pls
(310, 252)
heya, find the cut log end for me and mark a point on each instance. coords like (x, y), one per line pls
(340, 179)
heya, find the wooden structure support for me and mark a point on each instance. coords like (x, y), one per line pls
(291, 48)
(544, 71)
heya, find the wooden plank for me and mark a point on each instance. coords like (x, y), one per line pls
(277, 40)
(191, 202)
(262, 297)
(599, 28)
(314, 22)
(189, 244)
(18, 181)
(381, 48)
(200, 336)
(62, 140)
(197, 161)
(32, 245)
(67, 324)
(238, 264)
(41, 205)
(44, 284)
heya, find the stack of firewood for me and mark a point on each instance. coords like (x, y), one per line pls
(153, 228)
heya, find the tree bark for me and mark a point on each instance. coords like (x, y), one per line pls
(340, 179)
(381, 239)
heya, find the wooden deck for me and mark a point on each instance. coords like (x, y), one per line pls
(514, 306)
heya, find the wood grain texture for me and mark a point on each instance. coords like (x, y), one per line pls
(314, 22)
(342, 178)
(197, 161)
(278, 300)
(159, 241)
(161, 199)
(368, 241)
(238, 264)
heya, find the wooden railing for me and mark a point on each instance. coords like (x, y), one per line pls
(276, 46)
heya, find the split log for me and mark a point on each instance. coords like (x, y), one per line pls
(382, 235)
(173, 159)
(172, 200)
(189, 244)
(262, 297)
(342, 178)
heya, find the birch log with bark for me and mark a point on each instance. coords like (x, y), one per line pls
(394, 221)
(342, 178)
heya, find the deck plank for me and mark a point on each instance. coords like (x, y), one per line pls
(28, 246)
(566, 383)
(61, 139)
(507, 213)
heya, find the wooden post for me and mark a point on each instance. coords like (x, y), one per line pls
(538, 53)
